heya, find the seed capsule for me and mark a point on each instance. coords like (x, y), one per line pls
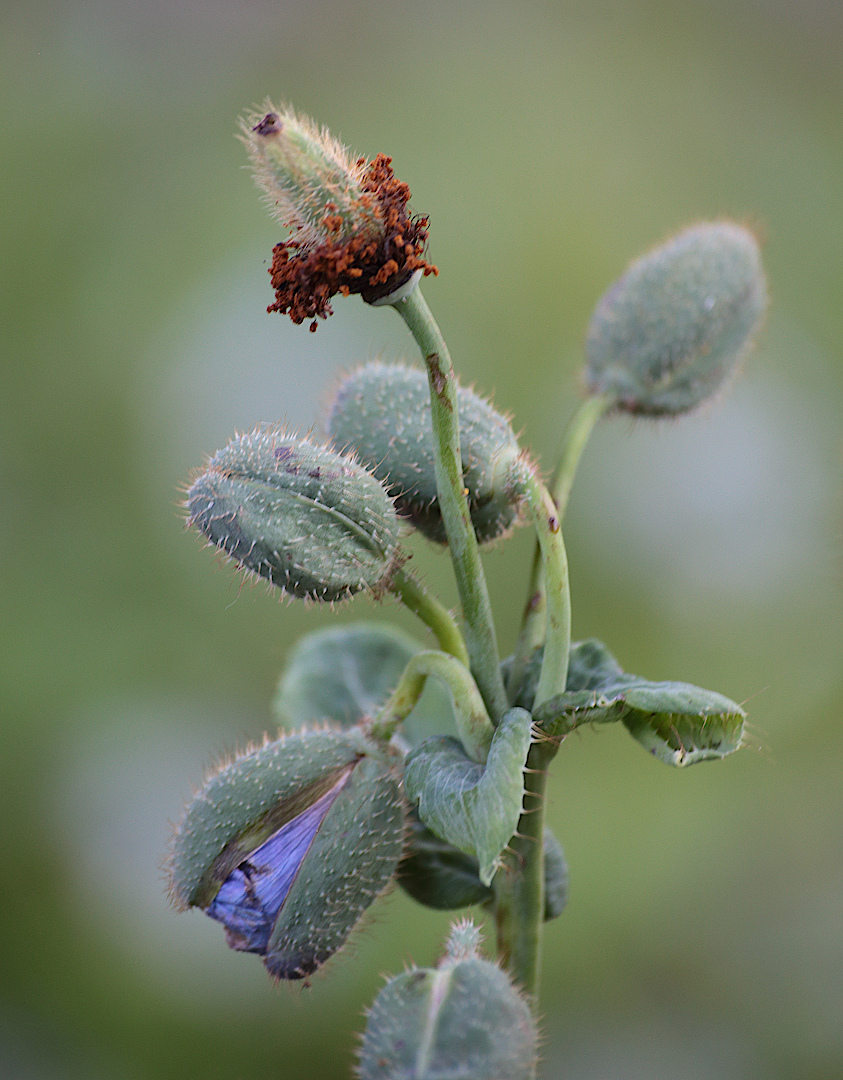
(307, 519)
(382, 412)
(464, 1019)
(673, 328)
(289, 843)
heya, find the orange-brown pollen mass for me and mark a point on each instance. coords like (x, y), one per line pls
(305, 277)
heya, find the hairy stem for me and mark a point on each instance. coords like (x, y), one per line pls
(431, 612)
(543, 513)
(453, 503)
(519, 885)
(577, 434)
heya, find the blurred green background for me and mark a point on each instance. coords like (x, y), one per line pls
(549, 143)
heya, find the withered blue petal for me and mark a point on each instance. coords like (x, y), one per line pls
(251, 897)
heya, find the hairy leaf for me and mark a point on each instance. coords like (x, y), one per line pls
(474, 807)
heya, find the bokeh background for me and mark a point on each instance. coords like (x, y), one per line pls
(549, 143)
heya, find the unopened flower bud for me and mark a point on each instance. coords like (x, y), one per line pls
(382, 412)
(307, 519)
(351, 228)
(289, 843)
(464, 1019)
(672, 329)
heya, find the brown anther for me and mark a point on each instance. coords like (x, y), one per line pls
(373, 265)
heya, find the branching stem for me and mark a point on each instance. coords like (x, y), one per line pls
(577, 434)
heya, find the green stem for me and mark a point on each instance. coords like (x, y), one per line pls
(431, 612)
(519, 886)
(473, 723)
(542, 510)
(453, 504)
(577, 434)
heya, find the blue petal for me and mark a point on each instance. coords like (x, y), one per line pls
(250, 898)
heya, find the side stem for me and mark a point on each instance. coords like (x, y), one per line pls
(473, 724)
(577, 434)
(431, 612)
(542, 509)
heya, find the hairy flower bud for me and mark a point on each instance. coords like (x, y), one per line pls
(464, 1019)
(382, 412)
(307, 519)
(673, 328)
(289, 843)
(351, 228)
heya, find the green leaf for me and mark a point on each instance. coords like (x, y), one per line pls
(474, 807)
(435, 873)
(682, 724)
(347, 672)
(590, 665)
(678, 723)
(438, 875)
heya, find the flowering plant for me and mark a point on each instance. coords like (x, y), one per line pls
(290, 842)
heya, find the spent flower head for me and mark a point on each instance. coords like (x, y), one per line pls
(352, 231)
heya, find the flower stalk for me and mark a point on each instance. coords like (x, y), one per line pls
(532, 632)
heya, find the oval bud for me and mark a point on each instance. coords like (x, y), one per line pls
(289, 843)
(464, 1019)
(673, 328)
(307, 519)
(382, 412)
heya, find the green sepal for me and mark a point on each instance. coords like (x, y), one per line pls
(678, 723)
(346, 673)
(474, 807)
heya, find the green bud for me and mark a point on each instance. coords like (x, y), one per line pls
(674, 327)
(463, 1019)
(305, 518)
(289, 843)
(352, 231)
(382, 412)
